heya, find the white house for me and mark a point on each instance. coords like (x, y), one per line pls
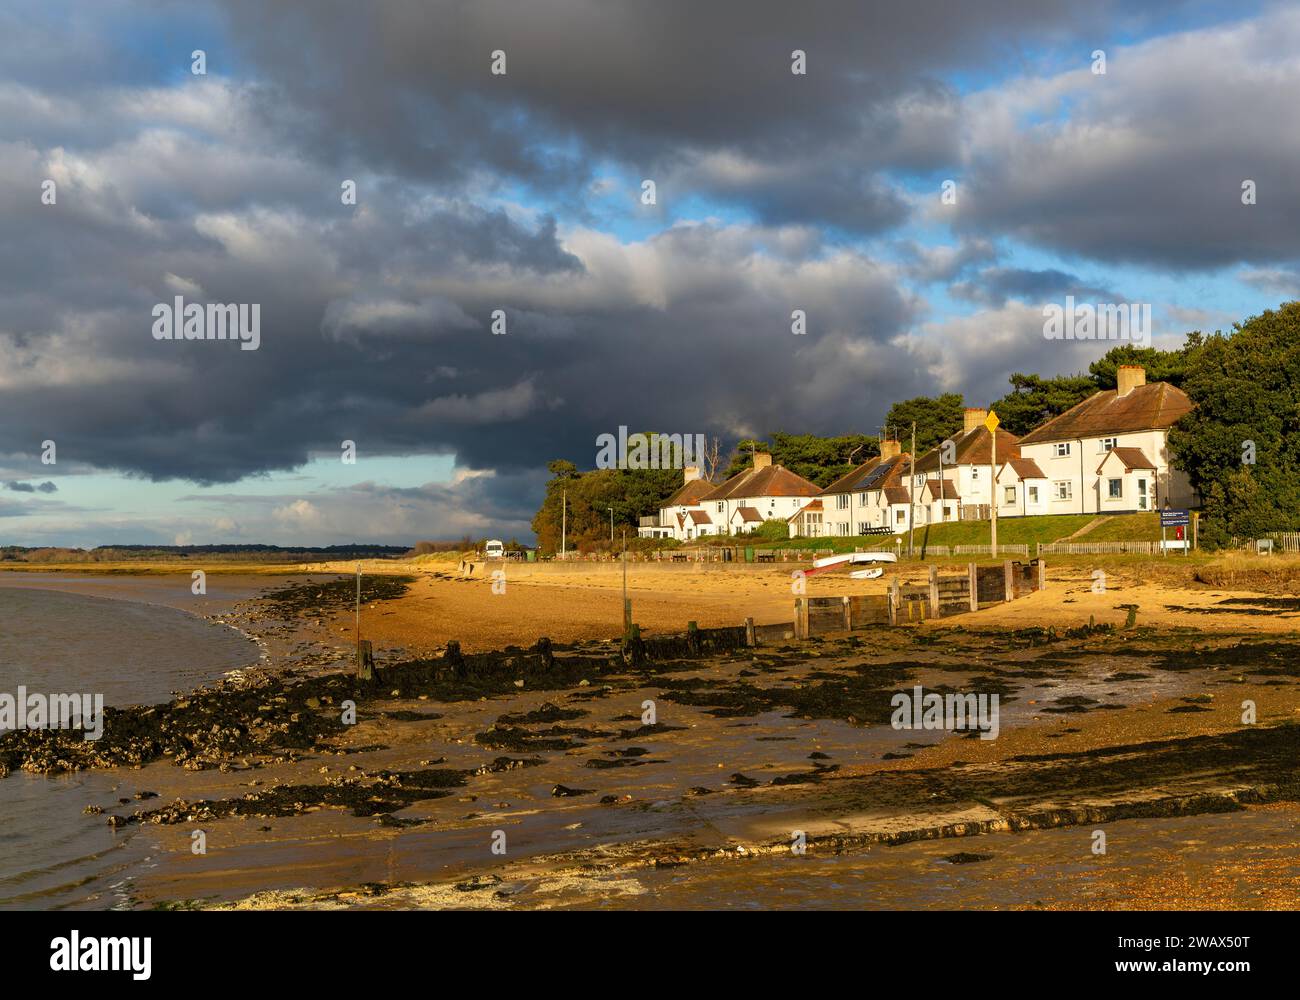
(671, 521)
(856, 504)
(744, 520)
(966, 467)
(1021, 488)
(1073, 450)
(772, 492)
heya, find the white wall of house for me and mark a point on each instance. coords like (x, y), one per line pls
(1122, 489)
(1075, 488)
(853, 513)
(1026, 498)
(769, 508)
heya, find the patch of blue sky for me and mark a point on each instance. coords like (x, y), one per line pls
(321, 474)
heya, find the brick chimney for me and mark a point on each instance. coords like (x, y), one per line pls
(762, 459)
(973, 419)
(1129, 377)
(690, 473)
(890, 449)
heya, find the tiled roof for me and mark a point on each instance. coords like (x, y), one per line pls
(1154, 406)
(689, 493)
(949, 489)
(749, 514)
(897, 494)
(1026, 468)
(699, 517)
(972, 448)
(1133, 458)
(771, 481)
(869, 475)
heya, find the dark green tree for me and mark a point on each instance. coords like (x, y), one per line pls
(1246, 387)
(937, 419)
(1033, 400)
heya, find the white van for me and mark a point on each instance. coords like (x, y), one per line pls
(494, 549)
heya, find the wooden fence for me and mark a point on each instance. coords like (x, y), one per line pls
(1098, 548)
(979, 587)
(1283, 541)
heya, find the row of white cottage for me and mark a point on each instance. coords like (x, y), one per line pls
(1108, 454)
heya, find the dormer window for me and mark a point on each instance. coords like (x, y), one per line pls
(1107, 444)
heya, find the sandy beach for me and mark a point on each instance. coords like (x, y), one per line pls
(507, 784)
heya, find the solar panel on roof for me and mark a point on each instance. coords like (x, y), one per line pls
(873, 477)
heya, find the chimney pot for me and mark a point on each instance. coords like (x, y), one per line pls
(762, 460)
(890, 449)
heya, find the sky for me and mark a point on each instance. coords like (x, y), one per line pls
(127, 178)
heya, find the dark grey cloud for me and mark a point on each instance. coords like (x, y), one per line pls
(994, 286)
(405, 86)
(21, 487)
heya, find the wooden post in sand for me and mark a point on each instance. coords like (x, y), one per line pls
(934, 591)
(893, 601)
(1042, 574)
(800, 618)
(750, 638)
(365, 661)
(1009, 577)
(974, 588)
(848, 616)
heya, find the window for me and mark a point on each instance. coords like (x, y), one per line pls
(1033, 494)
(1115, 487)
(1009, 494)
(721, 505)
(1064, 489)
(862, 499)
(898, 517)
(1106, 444)
(920, 478)
(1062, 449)
(974, 473)
(862, 527)
(841, 501)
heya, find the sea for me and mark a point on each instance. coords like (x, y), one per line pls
(132, 651)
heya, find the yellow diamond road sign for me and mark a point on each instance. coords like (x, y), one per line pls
(992, 421)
